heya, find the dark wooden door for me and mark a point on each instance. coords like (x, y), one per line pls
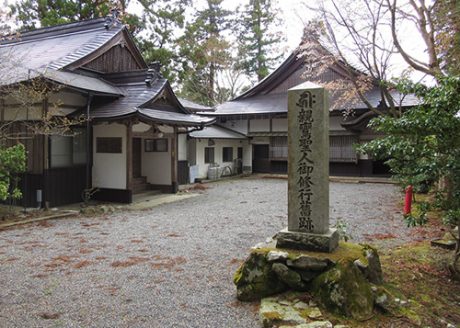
(260, 158)
(137, 157)
(240, 160)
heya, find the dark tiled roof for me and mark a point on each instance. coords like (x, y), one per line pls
(217, 132)
(194, 107)
(261, 99)
(54, 47)
(277, 103)
(136, 95)
(139, 100)
(83, 82)
(174, 118)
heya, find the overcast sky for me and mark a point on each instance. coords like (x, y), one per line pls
(293, 15)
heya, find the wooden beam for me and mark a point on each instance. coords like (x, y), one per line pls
(129, 154)
(174, 147)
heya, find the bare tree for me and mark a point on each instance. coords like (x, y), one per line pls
(231, 82)
(422, 15)
(366, 38)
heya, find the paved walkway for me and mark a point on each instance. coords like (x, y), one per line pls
(170, 266)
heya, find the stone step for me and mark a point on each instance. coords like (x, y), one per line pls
(139, 180)
(140, 188)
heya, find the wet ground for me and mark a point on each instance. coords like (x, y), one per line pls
(169, 266)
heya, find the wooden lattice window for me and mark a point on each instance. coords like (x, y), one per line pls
(341, 149)
(156, 145)
(278, 147)
(209, 155)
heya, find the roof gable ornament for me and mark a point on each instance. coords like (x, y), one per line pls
(112, 19)
(153, 73)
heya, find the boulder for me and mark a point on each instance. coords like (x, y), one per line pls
(308, 276)
(289, 277)
(343, 290)
(370, 267)
(309, 263)
(374, 272)
(273, 256)
(273, 313)
(255, 278)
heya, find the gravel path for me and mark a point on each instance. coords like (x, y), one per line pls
(170, 266)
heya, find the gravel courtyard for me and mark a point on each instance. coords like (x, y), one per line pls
(170, 266)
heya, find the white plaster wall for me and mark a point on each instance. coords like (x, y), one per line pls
(259, 125)
(109, 170)
(68, 98)
(141, 127)
(182, 147)
(279, 124)
(156, 166)
(237, 125)
(166, 129)
(201, 144)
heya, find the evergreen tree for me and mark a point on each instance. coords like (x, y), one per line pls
(205, 52)
(165, 21)
(257, 40)
(32, 14)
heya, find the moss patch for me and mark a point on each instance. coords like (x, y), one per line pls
(255, 279)
(344, 291)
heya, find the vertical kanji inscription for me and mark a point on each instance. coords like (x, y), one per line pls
(305, 164)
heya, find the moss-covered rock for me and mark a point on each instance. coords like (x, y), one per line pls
(344, 291)
(255, 278)
(289, 277)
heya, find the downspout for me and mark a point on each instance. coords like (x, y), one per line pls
(88, 142)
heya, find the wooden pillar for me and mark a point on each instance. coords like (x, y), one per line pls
(46, 159)
(129, 152)
(174, 142)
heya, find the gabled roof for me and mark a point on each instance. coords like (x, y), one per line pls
(270, 94)
(152, 102)
(59, 47)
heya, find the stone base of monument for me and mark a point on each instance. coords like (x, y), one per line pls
(347, 282)
(327, 242)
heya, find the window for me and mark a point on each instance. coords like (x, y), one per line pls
(278, 147)
(209, 155)
(227, 154)
(341, 149)
(79, 148)
(108, 145)
(61, 151)
(156, 145)
(67, 151)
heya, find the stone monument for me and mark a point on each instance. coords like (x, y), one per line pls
(308, 171)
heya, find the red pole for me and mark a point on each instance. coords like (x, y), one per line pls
(408, 200)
